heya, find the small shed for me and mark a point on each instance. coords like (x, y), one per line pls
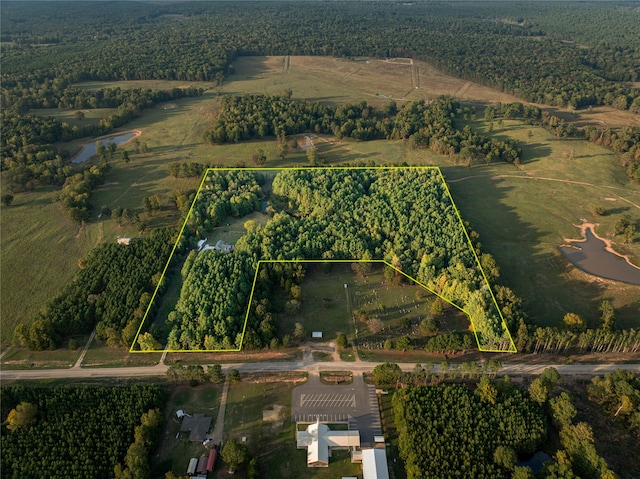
(316, 334)
(124, 241)
(211, 461)
(202, 465)
(193, 464)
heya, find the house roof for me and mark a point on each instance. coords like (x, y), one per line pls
(198, 426)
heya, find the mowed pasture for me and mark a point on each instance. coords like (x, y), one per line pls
(329, 307)
(40, 250)
(40, 246)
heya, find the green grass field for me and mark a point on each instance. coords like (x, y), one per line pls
(60, 358)
(526, 213)
(521, 220)
(40, 249)
(328, 307)
(152, 84)
(324, 304)
(100, 355)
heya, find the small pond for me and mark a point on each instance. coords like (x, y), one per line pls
(591, 256)
(536, 461)
(90, 149)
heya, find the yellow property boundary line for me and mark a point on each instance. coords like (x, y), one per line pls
(512, 348)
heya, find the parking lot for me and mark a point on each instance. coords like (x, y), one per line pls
(327, 400)
(355, 404)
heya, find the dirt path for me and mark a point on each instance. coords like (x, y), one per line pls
(135, 183)
(462, 90)
(164, 354)
(84, 351)
(218, 429)
(542, 178)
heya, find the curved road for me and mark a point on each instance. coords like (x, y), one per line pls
(304, 366)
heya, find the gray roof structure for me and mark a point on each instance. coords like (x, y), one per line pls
(198, 426)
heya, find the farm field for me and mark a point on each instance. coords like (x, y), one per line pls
(40, 249)
(176, 135)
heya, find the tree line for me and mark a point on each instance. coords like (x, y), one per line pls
(424, 124)
(618, 394)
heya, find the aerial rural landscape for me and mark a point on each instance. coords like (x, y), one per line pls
(289, 239)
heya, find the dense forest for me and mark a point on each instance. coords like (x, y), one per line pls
(110, 293)
(446, 430)
(78, 432)
(404, 216)
(449, 431)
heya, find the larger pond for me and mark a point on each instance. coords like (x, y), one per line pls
(90, 149)
(592, 256)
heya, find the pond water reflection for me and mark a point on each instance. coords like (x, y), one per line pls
(591, 255)
(90, 150)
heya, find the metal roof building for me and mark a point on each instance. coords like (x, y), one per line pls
(374, 464)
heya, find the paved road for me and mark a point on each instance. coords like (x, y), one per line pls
(308, 366)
